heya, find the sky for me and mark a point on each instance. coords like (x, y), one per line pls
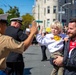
(24, 6)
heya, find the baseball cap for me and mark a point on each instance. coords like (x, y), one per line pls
(18, 19)
(3, 17)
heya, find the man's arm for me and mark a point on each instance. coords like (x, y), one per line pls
(69, 62)
(58, 61)
(33, 31)
(16, 46)
(21, 35)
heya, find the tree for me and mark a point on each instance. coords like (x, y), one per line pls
(1, 11)
(14, 12)
(27, 19)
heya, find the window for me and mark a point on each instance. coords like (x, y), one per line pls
(44, 1)
(48, 9)
(44, 11)
(44, 23)
(65, 1)
(65, 10)
(54, 9)
(48, 22)
(54, 19)
(75, 12)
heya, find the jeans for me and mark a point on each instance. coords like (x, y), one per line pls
(2, 72)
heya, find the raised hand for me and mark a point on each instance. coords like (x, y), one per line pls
(34, 27)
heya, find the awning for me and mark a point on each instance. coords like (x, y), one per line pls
(39, 21)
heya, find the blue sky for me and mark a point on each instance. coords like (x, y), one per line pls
(25, 6)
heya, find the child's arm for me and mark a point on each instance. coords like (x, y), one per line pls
(41, 29)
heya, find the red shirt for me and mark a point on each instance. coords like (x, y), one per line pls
(72, 45)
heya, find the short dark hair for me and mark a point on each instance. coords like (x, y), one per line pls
(72, 20)
(4, 21)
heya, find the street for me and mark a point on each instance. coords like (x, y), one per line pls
(33, 64)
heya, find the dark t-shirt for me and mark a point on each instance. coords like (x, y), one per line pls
(18, 35)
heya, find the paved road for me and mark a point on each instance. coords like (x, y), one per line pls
(33, 63)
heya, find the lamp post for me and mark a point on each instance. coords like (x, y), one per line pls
(61, 12)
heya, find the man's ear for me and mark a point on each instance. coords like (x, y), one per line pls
(0, 29)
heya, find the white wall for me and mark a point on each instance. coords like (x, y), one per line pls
(39, 11)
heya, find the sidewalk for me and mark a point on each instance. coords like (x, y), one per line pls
(33, 63)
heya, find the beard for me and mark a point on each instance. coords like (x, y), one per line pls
(72, 35)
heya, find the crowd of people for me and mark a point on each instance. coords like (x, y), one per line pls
(61, 43)
(15, 60)
(9, 44)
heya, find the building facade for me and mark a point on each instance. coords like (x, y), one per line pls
(68, 6)
(46, 11)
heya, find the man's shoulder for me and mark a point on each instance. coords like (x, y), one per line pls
(5, 37)
(12, 29)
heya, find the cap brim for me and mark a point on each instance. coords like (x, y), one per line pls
(17, 21)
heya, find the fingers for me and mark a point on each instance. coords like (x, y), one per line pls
(34, 23)
(56, 63)
(34, 27)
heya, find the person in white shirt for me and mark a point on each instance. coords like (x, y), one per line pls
(54, 44)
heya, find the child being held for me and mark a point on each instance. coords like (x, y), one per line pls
(54, 44)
